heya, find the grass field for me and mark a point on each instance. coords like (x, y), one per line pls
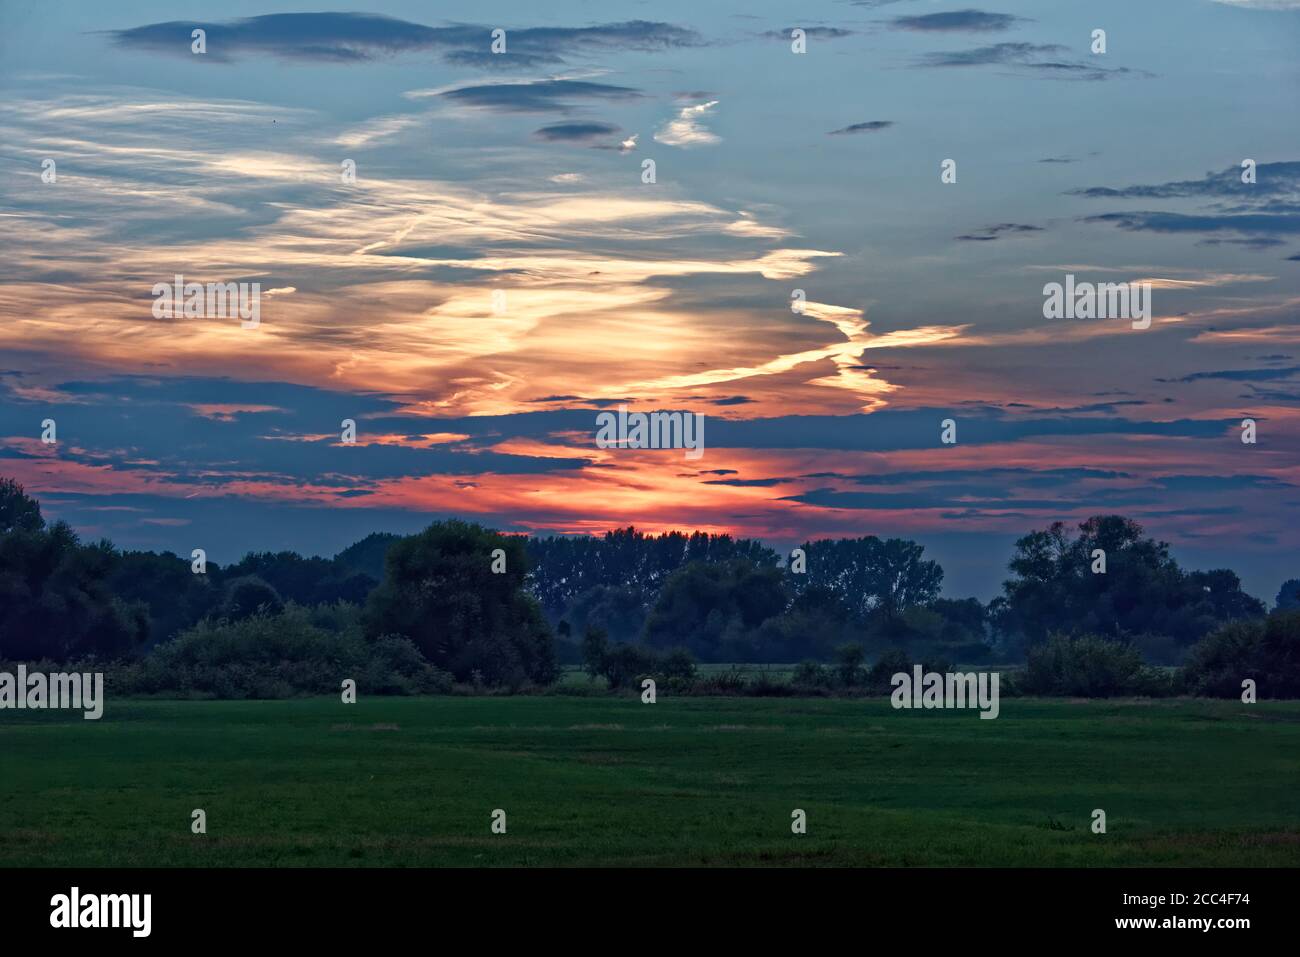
(689, 781)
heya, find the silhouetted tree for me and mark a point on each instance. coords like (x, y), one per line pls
(1141, 592)
(439, 590)
(18, 511)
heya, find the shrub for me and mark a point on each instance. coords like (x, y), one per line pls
(249, 595)
(889, 664)
(277, 656)
(1087, 666)
(678, 667)
(811, 674)
(848, 665)
(1266, 651)
(625, 664)
(729, 682)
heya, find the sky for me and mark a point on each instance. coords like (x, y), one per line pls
(499, 271)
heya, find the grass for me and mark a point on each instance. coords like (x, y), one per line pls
(688, 781)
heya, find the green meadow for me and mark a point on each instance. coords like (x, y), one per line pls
(608, 780)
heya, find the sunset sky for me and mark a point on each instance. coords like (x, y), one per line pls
(521, 173)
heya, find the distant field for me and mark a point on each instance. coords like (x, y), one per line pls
(694, 781)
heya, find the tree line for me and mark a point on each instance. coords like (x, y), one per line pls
(484, 607)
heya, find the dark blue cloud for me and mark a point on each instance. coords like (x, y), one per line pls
(1258, 242)
(544, 96)
(576, 132)
(871, 126)
(988, 233)
(957, 21)
(359, 37)
(821, 33)
(1240, 375)
(1271, 179)
(1031, 57)
(1159, 222)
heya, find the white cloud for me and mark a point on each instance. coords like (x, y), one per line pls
(686, 129)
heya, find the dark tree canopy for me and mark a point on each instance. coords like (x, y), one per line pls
(566, 567)
(440, 591)
(55, 601)
(1142, 591)
(18, 511)
(871, 575)
(715, 610)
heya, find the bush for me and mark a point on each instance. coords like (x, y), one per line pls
(677, 667)
(1088, 667)
(729, 682)
(1266, 651)
(888, 665)
(249, 595)
(848, 665)
(811, 674)
(625, 664)
(277, 656)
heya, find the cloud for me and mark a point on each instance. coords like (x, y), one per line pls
(1160, 222)
(872, 126)
(1272, 179)
(361, 37)
(1259, 242)
(1025, 56)
(821, 33)
(989, 233)
(537, 96)
(576, 132)
(380, 128)
(1262, 4)
(957, 21)
(1240, 375)
(1260, 211)
(686, 129)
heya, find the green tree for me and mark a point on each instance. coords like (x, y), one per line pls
(439, 590)
(18, 511)
(1143, 591)
(871, 576)
(715, 610)
(55, 601)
